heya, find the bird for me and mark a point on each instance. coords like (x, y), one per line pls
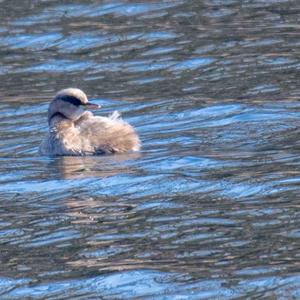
(75, 131)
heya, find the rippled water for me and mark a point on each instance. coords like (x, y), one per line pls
(209, 209)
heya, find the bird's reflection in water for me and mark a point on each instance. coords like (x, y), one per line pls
(96, 214)
(80, 167)
(106, 226)
(87, 210)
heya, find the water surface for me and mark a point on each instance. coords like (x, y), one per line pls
(209, 208)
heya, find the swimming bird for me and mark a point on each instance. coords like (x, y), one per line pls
(75, 131)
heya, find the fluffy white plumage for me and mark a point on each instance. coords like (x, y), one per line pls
(75, 131)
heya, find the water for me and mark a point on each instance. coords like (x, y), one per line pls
(209, 208)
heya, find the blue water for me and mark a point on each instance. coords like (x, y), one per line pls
(209, 208)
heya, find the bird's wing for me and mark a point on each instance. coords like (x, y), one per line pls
(108, 135)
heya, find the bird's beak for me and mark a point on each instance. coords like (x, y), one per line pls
(91, 105)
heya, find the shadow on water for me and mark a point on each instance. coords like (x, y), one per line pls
(209, 208)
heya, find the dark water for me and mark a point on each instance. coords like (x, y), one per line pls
(210, 207)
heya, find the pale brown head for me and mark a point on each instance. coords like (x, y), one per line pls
(70, 103)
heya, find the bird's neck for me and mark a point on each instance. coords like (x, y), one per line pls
(57, 114)
(57, 119)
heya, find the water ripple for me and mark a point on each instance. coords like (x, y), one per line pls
(209, 207)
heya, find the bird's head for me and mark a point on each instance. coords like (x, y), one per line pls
(70, 103)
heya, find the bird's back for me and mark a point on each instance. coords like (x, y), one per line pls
(107, 135)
